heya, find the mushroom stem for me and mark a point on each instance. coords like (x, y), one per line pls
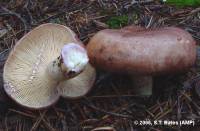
(142, 85)
(70, 63)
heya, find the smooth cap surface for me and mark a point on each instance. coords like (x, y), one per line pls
(139, 51)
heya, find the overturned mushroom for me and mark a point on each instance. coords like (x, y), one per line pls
(142, 53)
(45, 64)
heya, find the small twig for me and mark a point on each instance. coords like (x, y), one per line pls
(190, 100)
(142, 1)
(6, 120)
(156, 107)
(62, 13)
(89, 104)
(161, 109)
(106, 128)
(81, 111)
(84, 122)
(189, 15)
(150, 113)
(116, 96)
(121, 108)
(36, 124)
(161, 115)
(9, 12)
(194, 11)
(150, 22)
(22, 113)
(197, 37)
(28, 11)
(4, 54)
(48, 126)
(178, 110)
(49, 18)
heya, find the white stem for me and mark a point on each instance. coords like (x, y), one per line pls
(142, 85)
(70, 63)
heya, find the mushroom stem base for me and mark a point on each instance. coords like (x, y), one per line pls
(142, 85)
(70, 63)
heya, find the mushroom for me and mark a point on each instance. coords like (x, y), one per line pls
(142, 53)
(48, 62)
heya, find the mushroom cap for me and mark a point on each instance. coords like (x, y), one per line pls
(73, 87)
(138, 51)
(26, 80)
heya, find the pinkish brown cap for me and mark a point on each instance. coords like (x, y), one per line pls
(138, 51)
